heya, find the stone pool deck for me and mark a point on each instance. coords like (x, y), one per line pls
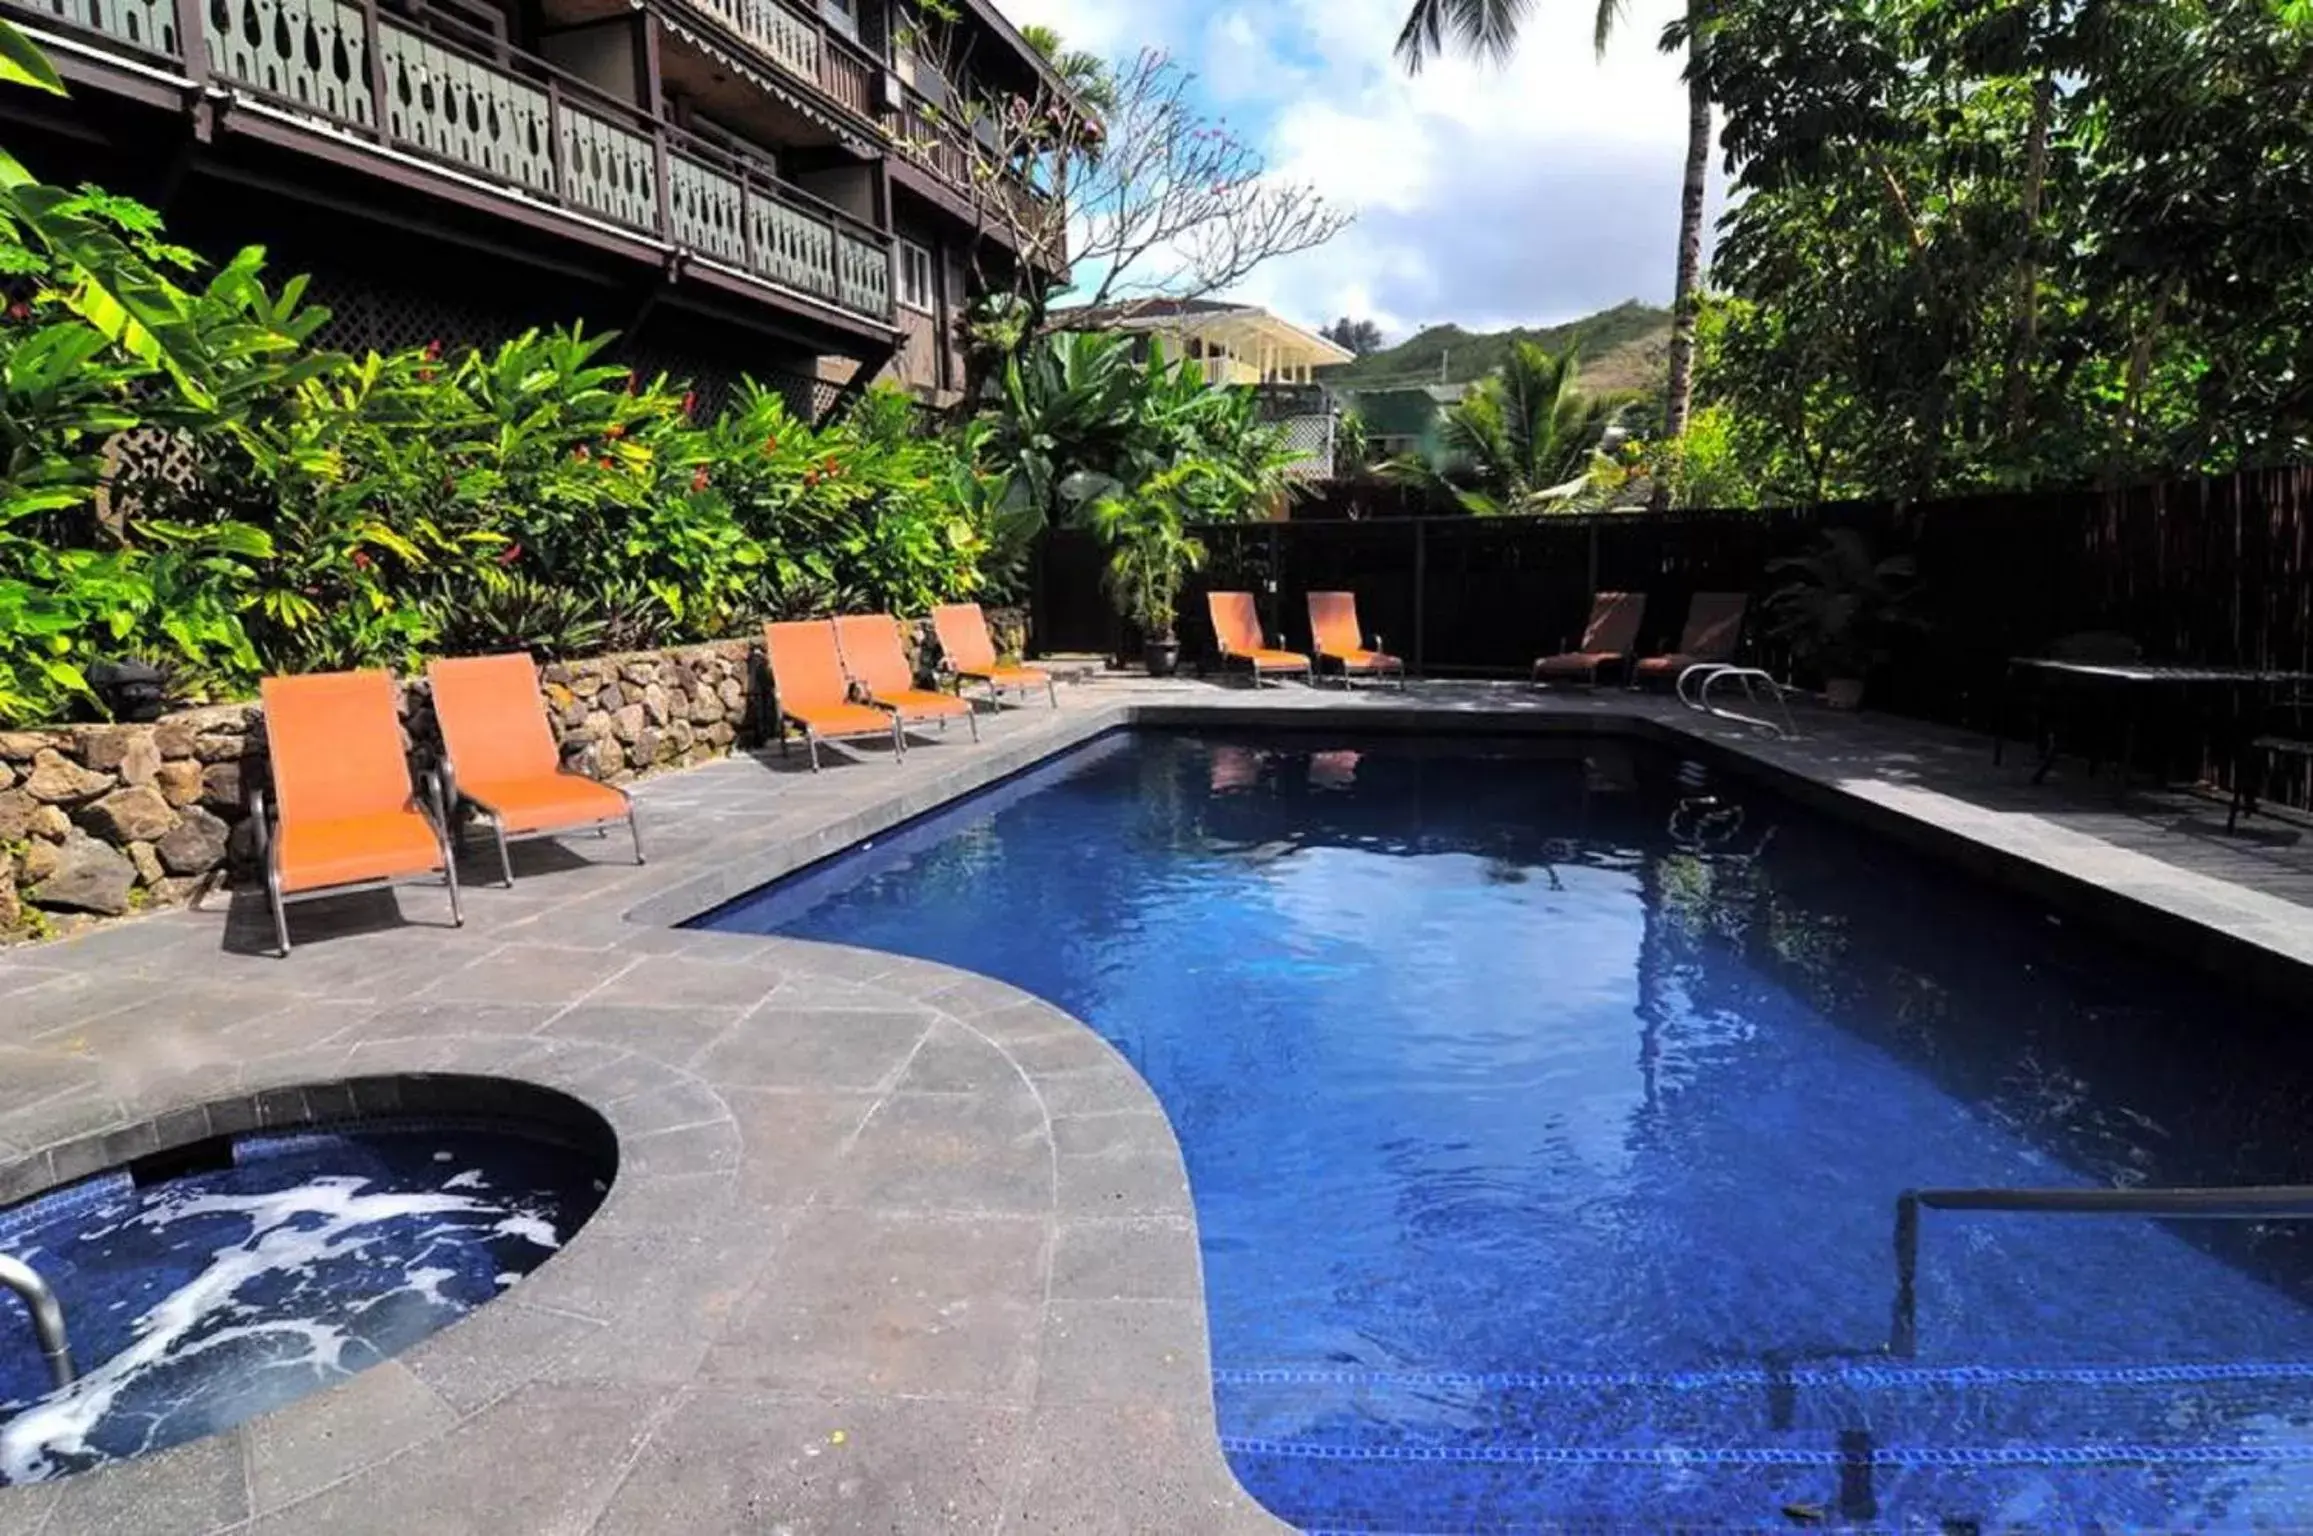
(892, 1247)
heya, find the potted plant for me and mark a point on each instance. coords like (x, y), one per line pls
(1839, 609)
(1151, 554)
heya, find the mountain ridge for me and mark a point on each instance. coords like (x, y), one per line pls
(1623, 348)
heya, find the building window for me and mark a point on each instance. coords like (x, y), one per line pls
(843, 15)
(915, 276)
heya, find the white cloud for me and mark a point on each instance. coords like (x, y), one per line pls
(1530, 193)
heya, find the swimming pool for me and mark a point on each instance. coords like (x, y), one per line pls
(1545, 1105)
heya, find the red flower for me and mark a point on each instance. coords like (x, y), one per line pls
(510, 554)
(690, 402)
(699, 478)
(614, 431)
(433, 351)
(361, 560)
(19, 311)
(426, 375)
(770, 445)
(579, 453)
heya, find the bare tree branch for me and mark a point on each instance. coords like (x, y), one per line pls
(1150, 199)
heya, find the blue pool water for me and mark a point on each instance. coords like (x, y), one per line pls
(1545, 1106)
(275, 1266)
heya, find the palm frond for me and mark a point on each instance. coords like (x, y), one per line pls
(1610, 15)
(1485, 29)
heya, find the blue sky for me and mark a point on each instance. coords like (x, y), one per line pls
(1487, 197)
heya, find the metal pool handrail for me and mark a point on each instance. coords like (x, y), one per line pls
(47, 1316)
(2247, 1203)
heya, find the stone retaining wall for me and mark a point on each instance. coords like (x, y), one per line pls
(100, 820)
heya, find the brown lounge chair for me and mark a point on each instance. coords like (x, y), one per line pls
(1337, 637)
(499, 756)
(345, 815)
(879, 669)
(970, 653)
(1237, 626)
(1607, 641)
(813, 693)
(1714, 631)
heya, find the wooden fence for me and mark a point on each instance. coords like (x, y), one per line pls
(2213, 570)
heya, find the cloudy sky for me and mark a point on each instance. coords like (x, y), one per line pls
(1488, 197)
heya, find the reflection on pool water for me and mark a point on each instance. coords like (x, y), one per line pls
(249, 1274)
(1545, 1108)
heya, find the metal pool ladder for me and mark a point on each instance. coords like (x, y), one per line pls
(2247, 1203)
(47, 1316)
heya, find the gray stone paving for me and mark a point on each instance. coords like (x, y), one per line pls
(892, 1247)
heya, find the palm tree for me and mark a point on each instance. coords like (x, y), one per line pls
(1529, 433)
(1489, 29)
(1084, 73)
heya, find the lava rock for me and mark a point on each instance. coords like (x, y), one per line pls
(131, 816)
(196, 846)
(147, 864)
(59, 780)
(16, 808)
(180, 782)
(89, 877)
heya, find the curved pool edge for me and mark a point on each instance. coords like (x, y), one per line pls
(567, 1399)
(1100, 1406)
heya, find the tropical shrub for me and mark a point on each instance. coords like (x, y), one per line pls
(1083, 420)
(1529, 435)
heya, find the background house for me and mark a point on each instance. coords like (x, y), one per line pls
(736, 186)
(1408, 422)
(1241, 345)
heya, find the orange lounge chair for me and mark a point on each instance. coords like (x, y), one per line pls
(879, 669)
(814, 694)
(499, 756)
(1714, 630)
(1336, 637)
(1607, 641)
(969, 651)
(1237, 626)
(345, 816)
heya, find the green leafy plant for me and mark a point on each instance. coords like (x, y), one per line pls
(1841, 604)
(1529, 435)
(1151, 552)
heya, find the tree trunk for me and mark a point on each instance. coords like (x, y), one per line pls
(1686, 298)
(2024, 337)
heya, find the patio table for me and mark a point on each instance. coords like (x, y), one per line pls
(2132, 679)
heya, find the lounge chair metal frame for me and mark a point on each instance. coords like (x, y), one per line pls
(1307, 669)
(812, 738)
(1319, 655)
(901, 719)
(429, 805)
(457, 798)
(996, 689)
(862, 692)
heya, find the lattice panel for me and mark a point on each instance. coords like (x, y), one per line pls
(369, 317)
(1312, 437)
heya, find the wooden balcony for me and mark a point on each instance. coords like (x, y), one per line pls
(805, 46)
(494, 114)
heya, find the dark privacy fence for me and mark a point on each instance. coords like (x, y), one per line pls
(2216, 570)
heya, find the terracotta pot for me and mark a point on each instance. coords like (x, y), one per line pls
(1843, 692)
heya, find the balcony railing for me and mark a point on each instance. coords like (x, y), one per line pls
(805, 46)
(516, 121)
